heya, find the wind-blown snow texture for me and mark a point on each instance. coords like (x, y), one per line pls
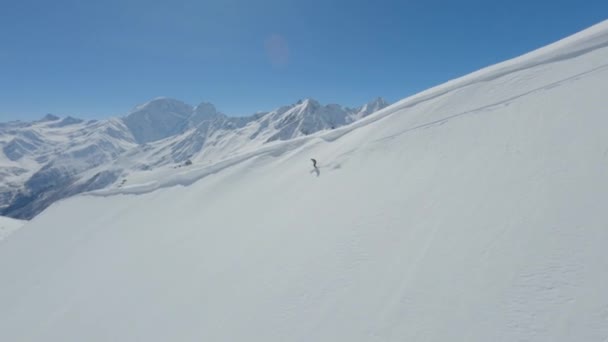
(50, 159)
(474, 211)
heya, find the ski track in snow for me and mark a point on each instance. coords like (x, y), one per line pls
(496, 104)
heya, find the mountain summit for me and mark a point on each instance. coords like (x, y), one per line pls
(158, 119)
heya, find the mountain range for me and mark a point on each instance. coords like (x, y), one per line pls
(53, 158)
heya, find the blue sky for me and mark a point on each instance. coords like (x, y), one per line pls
(95, 59)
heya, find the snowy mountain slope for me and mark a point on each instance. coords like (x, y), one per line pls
(8, 226)
(54, 158)
(220, 136)
(43, 159)
(474, 211)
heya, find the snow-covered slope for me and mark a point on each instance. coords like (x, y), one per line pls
(474, 211)
(8, 226)
(53, 158)
(43, 161)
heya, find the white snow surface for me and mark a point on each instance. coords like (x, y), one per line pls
(8, 226)
(474, 211)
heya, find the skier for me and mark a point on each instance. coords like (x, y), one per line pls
(314, 162)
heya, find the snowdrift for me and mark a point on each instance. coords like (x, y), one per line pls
(474, 211)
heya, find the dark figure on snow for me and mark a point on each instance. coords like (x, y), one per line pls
(314, 162)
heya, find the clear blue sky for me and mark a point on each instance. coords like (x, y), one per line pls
(95, 59)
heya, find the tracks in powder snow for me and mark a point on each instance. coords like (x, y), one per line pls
(496, 104)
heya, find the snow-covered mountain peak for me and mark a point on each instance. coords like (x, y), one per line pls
(308, 116)
(165, 105)
(204, 111)
(378, 103)
(306, 103)
(158, 119)
(49, 117)
(371, 107)
(205, 107)
(309, 102)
